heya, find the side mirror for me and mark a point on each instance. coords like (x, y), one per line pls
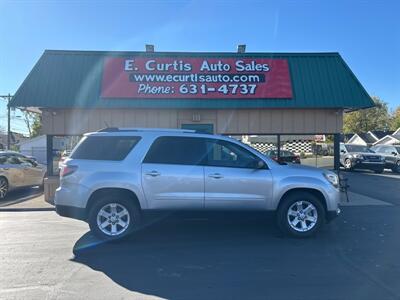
(260, 164)
(394, 153)
(342, 151)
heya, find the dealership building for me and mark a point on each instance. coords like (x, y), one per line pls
(269, 100)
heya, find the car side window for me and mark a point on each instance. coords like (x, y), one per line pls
(13, 160)
(226, 154)
(176, 150)
(343, 149)
(388, 150)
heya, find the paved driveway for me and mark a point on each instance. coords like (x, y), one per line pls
(205, 256)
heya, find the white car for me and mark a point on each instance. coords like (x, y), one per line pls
(18, 171)
(114, 175)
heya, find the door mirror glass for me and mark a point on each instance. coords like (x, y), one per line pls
(261, 164)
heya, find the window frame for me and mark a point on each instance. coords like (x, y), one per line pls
(135, 137)
(247, 151)
(157, 139)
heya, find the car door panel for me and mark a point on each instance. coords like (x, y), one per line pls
(173, 186)
(232, 178)
(172, 174)
(237, 188)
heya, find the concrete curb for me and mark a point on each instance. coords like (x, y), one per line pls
(25, 209)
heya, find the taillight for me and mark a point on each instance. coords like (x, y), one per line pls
(67, 170)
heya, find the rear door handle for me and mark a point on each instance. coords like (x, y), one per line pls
(215, 175)
(153, 173)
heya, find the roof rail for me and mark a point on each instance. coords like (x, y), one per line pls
(116, 129)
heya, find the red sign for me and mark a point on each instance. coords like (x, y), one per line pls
(194, 77)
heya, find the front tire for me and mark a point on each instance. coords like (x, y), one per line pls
(348, 164)
(3, 187)
(301, 214)
(396, 168)
(114, 216)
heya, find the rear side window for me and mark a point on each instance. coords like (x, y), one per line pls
(105, 147)
(177, 151)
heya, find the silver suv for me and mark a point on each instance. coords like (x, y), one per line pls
(115, 175)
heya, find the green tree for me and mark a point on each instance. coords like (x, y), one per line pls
(374, 118)
(395, 122)
(33, 123)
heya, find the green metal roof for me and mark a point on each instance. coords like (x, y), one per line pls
(66, 79)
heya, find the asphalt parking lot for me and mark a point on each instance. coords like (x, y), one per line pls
(209, 256)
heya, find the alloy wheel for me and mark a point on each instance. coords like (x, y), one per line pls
(347, 164)
(113, 219)
(3, 188)
(302, 216)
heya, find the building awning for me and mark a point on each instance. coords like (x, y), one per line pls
(75, 79)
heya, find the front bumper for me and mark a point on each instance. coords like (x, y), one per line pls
(368, 165)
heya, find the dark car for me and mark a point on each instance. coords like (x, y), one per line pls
(391, 154)
(360, 157)
(285, 156)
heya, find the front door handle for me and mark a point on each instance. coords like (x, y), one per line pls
(215, 175)
(153, 173)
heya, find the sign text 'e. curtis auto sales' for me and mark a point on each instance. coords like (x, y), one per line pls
(195, 77)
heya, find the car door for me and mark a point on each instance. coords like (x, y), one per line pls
(33, 174)
(172, 174)
(14, 171)
(233, 179)
(390, 157)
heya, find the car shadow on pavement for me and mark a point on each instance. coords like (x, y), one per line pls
(21, 195)
(231, 256)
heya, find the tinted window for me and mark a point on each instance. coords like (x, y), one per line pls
(13, 160)
(398, 149)
(226, 154)
(357, 148)
(176, 150)
(105, 147)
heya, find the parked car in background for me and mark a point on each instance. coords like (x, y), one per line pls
(360, 157)
(391, 154)
(64, 155)
(17, 171)
(285, 156)
(115, 175)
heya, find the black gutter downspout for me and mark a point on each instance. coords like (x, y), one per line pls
(336, 151)
(279, 148)
(49, 154)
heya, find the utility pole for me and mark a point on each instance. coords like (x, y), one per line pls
(8, 98)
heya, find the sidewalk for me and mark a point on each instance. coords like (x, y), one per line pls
(26, 203)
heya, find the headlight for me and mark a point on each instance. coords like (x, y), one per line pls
(381, 158)
(360, 156)
(332, 178)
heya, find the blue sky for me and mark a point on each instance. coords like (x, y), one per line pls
(366, 33)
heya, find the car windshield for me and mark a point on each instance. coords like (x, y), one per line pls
(358, 148)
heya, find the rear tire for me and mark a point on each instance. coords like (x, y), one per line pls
(3, 187)
(114, 216)
(300, 214)
(378, 171)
